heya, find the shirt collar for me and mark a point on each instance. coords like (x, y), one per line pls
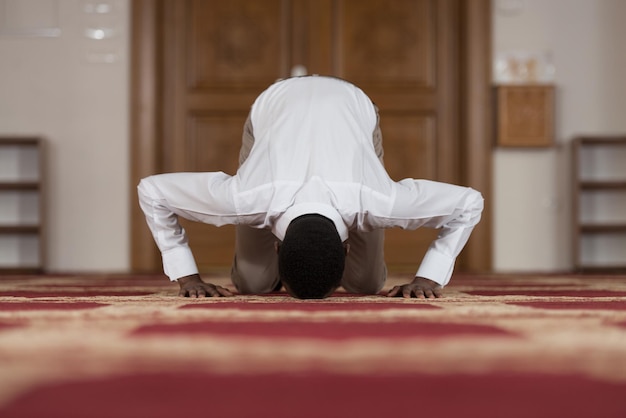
(281, 224)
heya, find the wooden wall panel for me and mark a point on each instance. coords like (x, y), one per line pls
(213, 247)
(409, 143)
(383, 42)
(235, 42)
(213, 142)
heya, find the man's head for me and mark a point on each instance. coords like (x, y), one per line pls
(311, 258)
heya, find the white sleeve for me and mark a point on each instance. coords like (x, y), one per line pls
(454, 210)
(201, 197)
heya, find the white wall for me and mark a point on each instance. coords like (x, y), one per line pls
(60, 88)
(532, 187)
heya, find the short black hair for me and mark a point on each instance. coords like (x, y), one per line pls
(311, 257)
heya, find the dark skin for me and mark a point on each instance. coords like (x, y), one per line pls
(421, 288)
(193, 287)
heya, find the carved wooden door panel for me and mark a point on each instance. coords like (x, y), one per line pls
(219, 55)
(401, 53)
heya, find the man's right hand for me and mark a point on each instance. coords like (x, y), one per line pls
(193, 287)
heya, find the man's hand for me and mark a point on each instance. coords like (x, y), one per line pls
(420, 288)
(193, 287)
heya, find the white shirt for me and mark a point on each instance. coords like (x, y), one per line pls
(312, 153)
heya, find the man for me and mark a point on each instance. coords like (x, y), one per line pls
(310, 201)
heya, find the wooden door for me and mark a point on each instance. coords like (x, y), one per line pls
(401, 52)
(217, 56)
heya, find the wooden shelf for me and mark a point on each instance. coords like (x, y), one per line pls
(592, 268)
(603, 185)
(22, 188)
(17, 185)
(605, 140)
(603, 228)
(19, 140)
(19, 229)
(597, 194)
(21, 270)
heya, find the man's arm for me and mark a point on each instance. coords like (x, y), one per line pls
(454, 210)
(202, 197)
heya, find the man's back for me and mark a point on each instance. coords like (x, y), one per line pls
(312, 127)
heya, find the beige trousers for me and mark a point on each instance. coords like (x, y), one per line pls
(255, 265)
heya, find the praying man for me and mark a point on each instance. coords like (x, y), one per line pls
(310, 201)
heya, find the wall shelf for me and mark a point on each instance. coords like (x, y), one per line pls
(599, 202)
(19, 186)
(21, 205)
(602, 185)
(603, 229)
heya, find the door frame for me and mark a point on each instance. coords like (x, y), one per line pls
(475, 108)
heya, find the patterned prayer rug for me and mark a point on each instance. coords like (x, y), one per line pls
(494, 346)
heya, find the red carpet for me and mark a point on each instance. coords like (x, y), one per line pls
(318, 395)
(494, 346)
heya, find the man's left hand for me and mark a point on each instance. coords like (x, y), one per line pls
(420, 287)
